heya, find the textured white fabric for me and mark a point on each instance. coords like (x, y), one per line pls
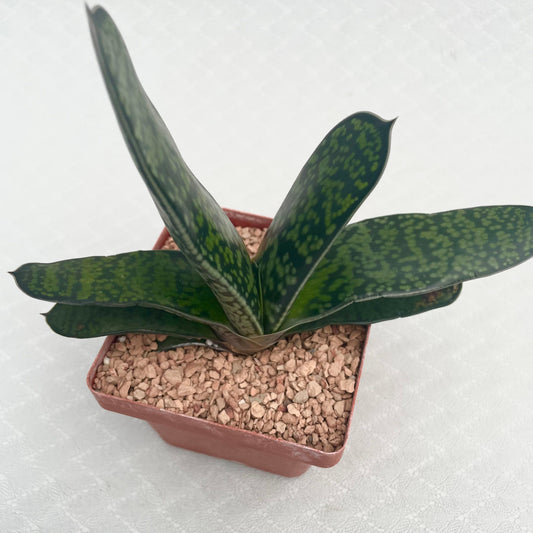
(442, 438)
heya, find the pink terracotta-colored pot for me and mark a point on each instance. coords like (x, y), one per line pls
(252, 449)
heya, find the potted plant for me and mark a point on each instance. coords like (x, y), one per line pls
(312, 270)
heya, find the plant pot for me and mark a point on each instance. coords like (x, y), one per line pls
(253, 449)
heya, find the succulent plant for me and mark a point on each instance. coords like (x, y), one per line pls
(312, 268)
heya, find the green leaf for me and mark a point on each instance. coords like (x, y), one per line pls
(172, 342)
(366, 312)
(196, 222)
(84, 321)
(162, 279)
(380, 309)
(407, 254)
(336, 179)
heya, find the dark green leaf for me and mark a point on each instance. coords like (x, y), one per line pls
(380, 309)
(162, 279)
(84, 321)
(366, 312)
(407, 254)
(196, 222)
(172, 342)
(336, 179)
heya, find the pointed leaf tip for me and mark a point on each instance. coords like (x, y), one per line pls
(413, 253)
(197, 223)
(91, 11)
(331, 186)
(84, 321)
(163, 279)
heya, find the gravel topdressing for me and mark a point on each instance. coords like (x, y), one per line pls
(300, 389)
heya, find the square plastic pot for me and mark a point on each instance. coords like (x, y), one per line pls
(253, 449)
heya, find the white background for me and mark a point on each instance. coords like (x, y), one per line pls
(442, 438)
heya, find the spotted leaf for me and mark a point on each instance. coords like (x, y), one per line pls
(408, 254)
(196, 222)
(380, 309)
(367, 312)
(162, 279)
(84, 321)
(336, 179)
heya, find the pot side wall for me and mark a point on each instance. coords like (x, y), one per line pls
(253, 449)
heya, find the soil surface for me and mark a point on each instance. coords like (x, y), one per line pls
(300, 389)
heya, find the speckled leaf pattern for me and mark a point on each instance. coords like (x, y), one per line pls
(407, 254)
(367, 312)
(162, 279)
(84, 321)
(196, 222)
(380, 309)
(336, 179)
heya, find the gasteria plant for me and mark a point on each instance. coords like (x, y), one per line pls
(312, 269)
